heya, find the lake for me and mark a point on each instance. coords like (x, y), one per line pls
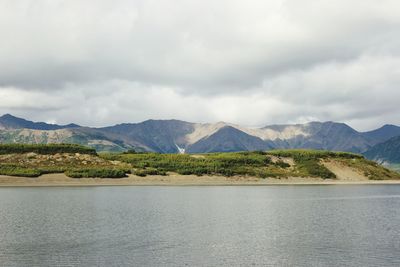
(352, 225)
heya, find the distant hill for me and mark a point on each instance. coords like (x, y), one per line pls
(8, 122)
(175, 136)
(387, 152)
(382, 134)
(228, 139)
(319, 135)
(163, 136)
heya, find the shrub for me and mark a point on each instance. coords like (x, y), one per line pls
(282, 164)
(129, 151)
(13, 170)
(309, 153)
(313, 168)
(149, 171)
(96, 173)
(227, 164)
(45, 149)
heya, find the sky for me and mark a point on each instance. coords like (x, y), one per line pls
(253, 62)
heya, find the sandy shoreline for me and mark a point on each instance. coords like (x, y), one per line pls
(173, 180)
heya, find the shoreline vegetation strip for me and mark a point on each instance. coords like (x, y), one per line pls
(82, 162)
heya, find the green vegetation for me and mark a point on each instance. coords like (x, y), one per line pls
(258, 163)
(149, 171)
(79, 162)
(45, 149)
(226, 164)
(282, 164)
(96, 172)
(74, 160)
(15, 170)
(308, 161)
(301, 154)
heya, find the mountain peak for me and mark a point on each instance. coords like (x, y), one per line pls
(389, 126)
(8, 121)
(8, 116)
(382, 134)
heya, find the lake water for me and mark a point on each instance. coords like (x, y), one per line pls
(201, 226)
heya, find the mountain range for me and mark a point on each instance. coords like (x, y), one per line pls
(175, 136)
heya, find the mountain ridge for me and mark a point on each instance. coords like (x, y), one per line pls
(386, 152)
(8, 121)
(175, 136)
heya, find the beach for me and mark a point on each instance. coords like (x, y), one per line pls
(176, 180)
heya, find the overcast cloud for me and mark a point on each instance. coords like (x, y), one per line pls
(253, 62)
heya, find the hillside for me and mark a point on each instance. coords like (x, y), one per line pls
(174, 136)
(8, 121)
(387, 152)
(382, 134)
(79, 162)
(228, 139)
(82, 136)
(73, 160)
(320, 135)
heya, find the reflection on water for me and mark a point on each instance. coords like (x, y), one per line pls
(201, 226)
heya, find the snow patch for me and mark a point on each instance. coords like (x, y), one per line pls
(181, 150)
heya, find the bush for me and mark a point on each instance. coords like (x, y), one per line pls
(282, 164)
(313, 168)
(312, 154)
(149, 171)
(45, 149)
(227, 164)
(96, 173)
(13, 170)
(129, 151)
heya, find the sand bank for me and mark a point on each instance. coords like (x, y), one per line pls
(62, 180)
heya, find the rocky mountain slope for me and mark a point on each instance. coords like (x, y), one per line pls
(174, 136)
(382, 134)
(386, 152)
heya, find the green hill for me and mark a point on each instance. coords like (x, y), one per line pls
(78, 161)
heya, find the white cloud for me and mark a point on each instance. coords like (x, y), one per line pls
(255, 62)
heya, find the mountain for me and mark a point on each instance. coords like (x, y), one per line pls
(382, 134)
(152, 135)
(175, 136)
(332, 136)
(315, 135)
(8, 122)
(82, 136)
(228, 139)
(388, 152)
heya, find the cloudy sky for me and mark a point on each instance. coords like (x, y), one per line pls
(252, 62)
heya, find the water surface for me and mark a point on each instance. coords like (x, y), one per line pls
(356, 225)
